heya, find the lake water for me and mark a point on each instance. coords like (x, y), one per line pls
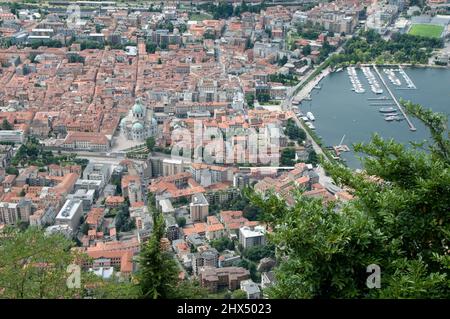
(340, 111)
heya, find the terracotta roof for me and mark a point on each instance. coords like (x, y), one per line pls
(196, 228)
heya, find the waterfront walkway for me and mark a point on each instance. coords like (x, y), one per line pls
(410, 124)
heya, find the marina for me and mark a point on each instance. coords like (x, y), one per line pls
(338, 110)
(409, 82)
(356, 83)
(410, 124)
(374, 85)
(392, 77)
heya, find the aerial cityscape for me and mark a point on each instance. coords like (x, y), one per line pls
(228, 149)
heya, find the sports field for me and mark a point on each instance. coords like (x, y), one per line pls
(426, 30)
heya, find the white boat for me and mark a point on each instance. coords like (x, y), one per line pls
(310, 125)
(310, 116)
(387, 110)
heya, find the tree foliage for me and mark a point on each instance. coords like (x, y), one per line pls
(181, 221)
(33, 265)
(150, 47)
(239, 294)
(288, 156)
(256, 253)
(398, 220)
(6, 125)
(294, 132)
(123, 220)
(158, 273)
(150, 143)
(371, 47)
(222, 243)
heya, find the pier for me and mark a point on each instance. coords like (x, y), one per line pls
(410, 124)
(382, 104)
(409, 82)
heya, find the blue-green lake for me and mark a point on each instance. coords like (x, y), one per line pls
(340, 111)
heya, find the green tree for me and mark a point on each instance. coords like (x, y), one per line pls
(181, 221)
(263, 97)
(209, 35)
(150, 143)
(312, 158)
(34, 265)
(6, 125)
(282, 61)
(123, 221)
(75, 58)
(256, 253)
(116, 290)
(239, 294)
(84, 229)
(306, 50)
(12, 171)
(182, 28)
(158, 273)
(248, 44)
(150, 47)
(222, 243)
(397, 221)
(287, 156)
(294, 132)
(250, 98)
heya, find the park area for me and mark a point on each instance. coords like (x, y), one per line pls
(200, 16)
(426, 30)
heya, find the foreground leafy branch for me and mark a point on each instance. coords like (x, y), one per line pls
(398, 220)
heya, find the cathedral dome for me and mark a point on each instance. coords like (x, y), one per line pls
(137, 108)
(137, 127)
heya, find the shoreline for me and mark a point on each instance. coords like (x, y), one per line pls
(309, 86)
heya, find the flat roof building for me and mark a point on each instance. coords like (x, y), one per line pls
(249, 238)
(70, 213)
(251, 289)
(11, 136)
(199, 207)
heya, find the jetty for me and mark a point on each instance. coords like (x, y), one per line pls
(381, 98)
(382, 104)
(410, 124)
(409, 82)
